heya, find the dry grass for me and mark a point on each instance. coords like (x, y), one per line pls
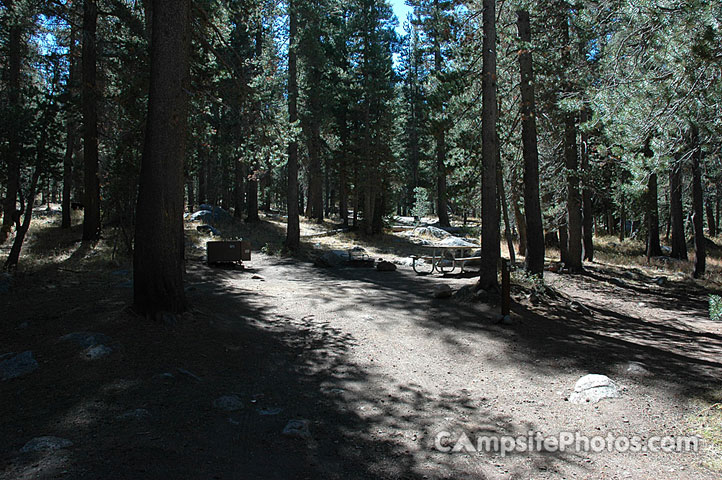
(708, 425)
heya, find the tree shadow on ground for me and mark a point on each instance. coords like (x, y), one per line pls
(233, 342)
(601, 340)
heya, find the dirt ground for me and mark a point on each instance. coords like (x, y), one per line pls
(376, 365)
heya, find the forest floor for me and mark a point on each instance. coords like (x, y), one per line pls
(374, 363)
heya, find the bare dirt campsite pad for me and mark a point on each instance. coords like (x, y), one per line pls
(286, 370)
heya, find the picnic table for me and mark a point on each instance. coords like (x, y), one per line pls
(445, 258)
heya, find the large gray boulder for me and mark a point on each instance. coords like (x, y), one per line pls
(593, 388)
(457, 242)
(14, 366)
(332, 258)
(430, 231)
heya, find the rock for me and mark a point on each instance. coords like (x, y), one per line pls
(41, 444)
(298, 428)
(6, 281)
(385, 266)
(228, 403)
(210, 214)
(137, 414)
(209, 230)
(258, 277)
(202, 215)
(14, 366)
(86, 339)
(330, 259)
(97, 352)
(457, 242)
(430, 232)
(592, 388)
(636, 369)
(442, 291)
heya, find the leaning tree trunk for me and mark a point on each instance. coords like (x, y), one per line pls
(14, 147)
(532, 205)
(653, 247)
(91, 210)
(490, 248)
(40, 156)
(700, 253)
(158, 257)
(293, 231)
(505, 215)
(679, 246)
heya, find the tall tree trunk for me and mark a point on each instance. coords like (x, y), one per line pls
(700, 253)
(70, 127)
(711, 223)
(312, 127)
(571, 161)
(252, 198)
(574, 210)
(518, 218)
(441, 199)
(342, 173)
(587, 210)
(622, 219)
(679, 245)
(532, 206)
(441, 195)
(369, 209)
(191, 192)
(653, 247)
(238, 188)
(293, 231)
(719, 204)
(159, 242)
(15, 38)
(490, 248)
(91, 217)
(563, 242)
